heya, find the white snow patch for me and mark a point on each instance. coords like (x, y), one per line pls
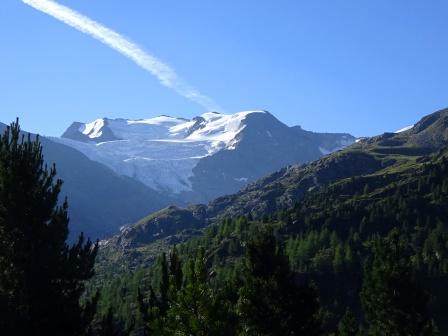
(404, 129)
(93, 129)
(181, 129)
(221, 127)
(160, 120)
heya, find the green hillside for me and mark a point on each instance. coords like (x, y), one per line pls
(366, 226)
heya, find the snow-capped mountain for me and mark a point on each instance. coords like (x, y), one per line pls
(202, 158)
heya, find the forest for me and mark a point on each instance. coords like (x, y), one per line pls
(367, 255)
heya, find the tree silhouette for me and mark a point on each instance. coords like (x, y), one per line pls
(41, 277)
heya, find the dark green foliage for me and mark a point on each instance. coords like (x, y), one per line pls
(109, 325)
(164, 285)
(348, 325)
(176, 269)
(191, 306)
(41, 278)
(330, 238)
(270, 301)
(337, 231)
(119, 297)
(204, 301)
(393, 300)
(195, 308)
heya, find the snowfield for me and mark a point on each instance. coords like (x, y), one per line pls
(161, 152)
(404, 129)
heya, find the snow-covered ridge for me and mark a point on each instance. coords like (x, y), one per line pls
(210, 126)
(161, 151)
(404, 129)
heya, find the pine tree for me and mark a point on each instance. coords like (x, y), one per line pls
(196, 310)
(392, 300)
(348, 325)
(338, 261)
(41, 277)
(175, 269)
(110, 326)
(270, 302)
(191, 307)
(164, 285)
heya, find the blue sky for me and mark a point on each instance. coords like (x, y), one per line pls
(362, 67)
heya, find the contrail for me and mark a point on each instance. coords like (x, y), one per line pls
(166, 75)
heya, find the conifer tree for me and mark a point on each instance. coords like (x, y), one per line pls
(164, 285)
(41, 276)
(194, 312)
(392, 300)
(347, 325)
(270, 302)
(338, 260)
(175, 269)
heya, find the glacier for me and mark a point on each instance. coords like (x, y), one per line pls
(162, 151)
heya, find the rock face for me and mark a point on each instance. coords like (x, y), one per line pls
(199, 159)
(97, 131)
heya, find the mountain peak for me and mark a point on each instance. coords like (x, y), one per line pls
(173, 154)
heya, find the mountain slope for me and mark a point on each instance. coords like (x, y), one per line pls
(200, 159)
(383, 159)
(387, 153)
(100, 201)
(344, 205)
